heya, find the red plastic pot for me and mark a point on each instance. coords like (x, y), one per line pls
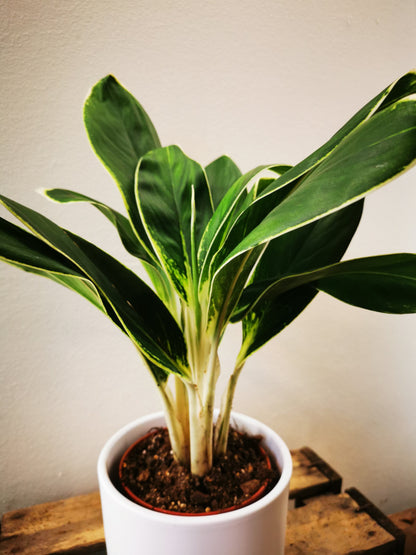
(131, 495)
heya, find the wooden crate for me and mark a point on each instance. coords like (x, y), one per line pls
(311, 476)
(324, 521)
(406, 522)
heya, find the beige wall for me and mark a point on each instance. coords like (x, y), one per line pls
(264, 81)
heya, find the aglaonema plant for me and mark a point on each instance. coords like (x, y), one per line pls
(220, 246)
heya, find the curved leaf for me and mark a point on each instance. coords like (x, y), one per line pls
(175, 204)
(160, 375)
(120, 133)
(25, 251)
(374, 153)
(221, 173)
(222, 220)
(402, 88)
(82, 286)
(381, 283)
(145, 318)
(131, 242)
(313, 246)
(275, 191)
(143, 315)
(227, 288)
(318, 244)
(270, 317)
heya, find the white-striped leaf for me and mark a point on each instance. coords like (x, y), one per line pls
(378, 150)
(175, 205)
(120, 132)
(143, 315)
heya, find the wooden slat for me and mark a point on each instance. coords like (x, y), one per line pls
(335, 525)
(312, 475)
(69, 526)
(378, 516)
(406, 522)
(331, 524)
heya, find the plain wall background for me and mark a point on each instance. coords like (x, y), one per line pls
(265, 81)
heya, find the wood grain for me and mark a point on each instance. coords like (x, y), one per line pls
(324, 521)
(71, 525)
(334, 525)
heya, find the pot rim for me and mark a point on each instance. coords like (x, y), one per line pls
(207, 519)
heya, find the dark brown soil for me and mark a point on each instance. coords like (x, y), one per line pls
(151, 473)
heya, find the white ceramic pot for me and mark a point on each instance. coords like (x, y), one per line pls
(257, 529)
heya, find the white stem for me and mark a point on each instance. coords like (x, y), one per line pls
(178, 435)
(200, 426)
(182, 414)
(223, 422)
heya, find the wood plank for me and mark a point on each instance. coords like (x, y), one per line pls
(329, 524)
(378, 516)
(335, 525)
(74, 526)
(311, 475)
(68, 526)
(406, 522)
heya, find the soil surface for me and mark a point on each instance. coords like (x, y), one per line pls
(151, 473)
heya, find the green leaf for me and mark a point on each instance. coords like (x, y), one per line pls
(175, 205)
(380, 283)
(160, 375)
(222, 220)
(143, 315)
(280, 169)
(225, 284)
(227, 288)
(120, 132)
(267, 311)
(131, 242)
(265, 182)
(250, 214)
(82, 286)
(318, 244)
(270, 316)
(270, 198)
(374, 270)
(87, 290)
(374, 153)
(25, 251)
(221, 173)
(228, 283)
(402, 88)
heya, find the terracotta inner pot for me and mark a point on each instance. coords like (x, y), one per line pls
(258, 493)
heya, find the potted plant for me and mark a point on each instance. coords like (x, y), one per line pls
(219, 247)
